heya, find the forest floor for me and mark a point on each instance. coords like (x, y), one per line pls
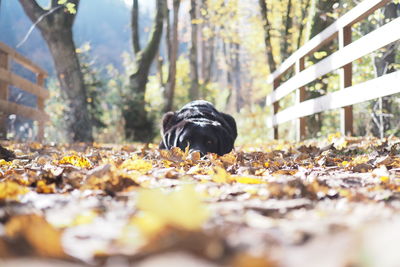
(328, 203)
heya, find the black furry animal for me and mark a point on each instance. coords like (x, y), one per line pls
(201, 127)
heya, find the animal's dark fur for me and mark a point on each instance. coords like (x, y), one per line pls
(199, 125)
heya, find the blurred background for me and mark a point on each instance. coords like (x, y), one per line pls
(140, 58)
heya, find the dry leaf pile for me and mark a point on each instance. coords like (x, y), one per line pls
(331, 203)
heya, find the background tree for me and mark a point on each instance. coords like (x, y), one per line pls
(384, 64)
(321, 19)
(267, 33)
(55, 26)
(193, 55)
(173, 46)
(138, 125)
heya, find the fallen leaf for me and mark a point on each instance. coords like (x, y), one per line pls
(43, 238)
(77, 161)
(11, 190)
(182, 208)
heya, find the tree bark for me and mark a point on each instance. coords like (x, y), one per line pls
(230, 99)
(238, 76)
(205, 47)
(70, 76)
(135, 27)
(285, 48)
(302, 24)
(193, 55)
(173, 58)
(267, 35)
(138, 126)
(56, 28)
(209, 60)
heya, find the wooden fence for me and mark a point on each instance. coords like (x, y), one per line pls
(7, 78)
(341, 59)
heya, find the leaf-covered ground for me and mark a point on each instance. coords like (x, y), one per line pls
(331, 203)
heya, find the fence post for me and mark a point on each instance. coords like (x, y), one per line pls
(4, 64)
(346, 74)
(300, 97)
(275, 107)
(40, 106)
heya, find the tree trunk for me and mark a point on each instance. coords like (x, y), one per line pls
(138, 126)
(230, 99)
(209, 60)
(302, 23)
(285, 48)
(194, 75)
(70, 76)
(238, 76)
(267, 35)
(56, 28)
(172, 58)
(206, 47)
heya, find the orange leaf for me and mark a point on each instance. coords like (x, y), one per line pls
(38, 233)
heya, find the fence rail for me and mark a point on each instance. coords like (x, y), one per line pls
(342, 59)
(8, 78)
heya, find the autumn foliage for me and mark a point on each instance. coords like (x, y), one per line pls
(272, 205)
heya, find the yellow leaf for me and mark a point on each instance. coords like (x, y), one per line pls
(385, 179)
(11, 190)
(4, 163)
(148, 224)
(360, 159)
(221, 176)
(85, 218)
(248, 180)
(333, 136)
(42, 187)
(78, 161)
(71, 8)
(167, 163)
(344, 193)
(320, 55)
(137, 164)
(183, 208)
(345, 163)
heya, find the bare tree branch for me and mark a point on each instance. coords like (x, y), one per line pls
(34, 25)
